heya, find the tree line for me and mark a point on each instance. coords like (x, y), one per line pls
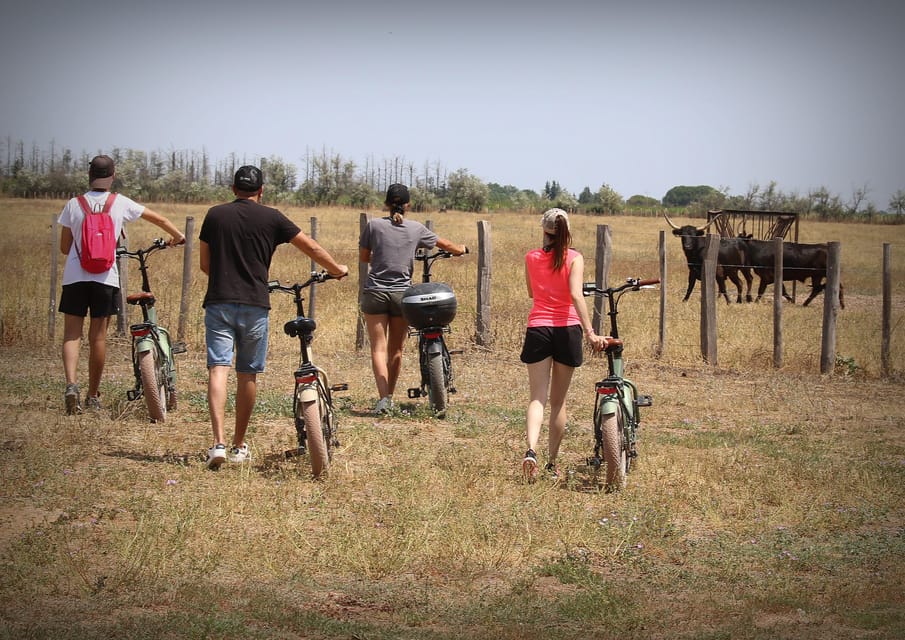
(327, 179)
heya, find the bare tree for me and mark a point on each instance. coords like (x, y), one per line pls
(897, 202)
(859, 195)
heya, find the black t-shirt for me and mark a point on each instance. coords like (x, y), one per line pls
(242, 236)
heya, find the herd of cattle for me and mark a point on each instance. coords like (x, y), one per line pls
(742, 255)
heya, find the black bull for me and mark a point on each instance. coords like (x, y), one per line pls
(730, 259)
(799, 262)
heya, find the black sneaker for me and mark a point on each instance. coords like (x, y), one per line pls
(529, 466)
(73, 402)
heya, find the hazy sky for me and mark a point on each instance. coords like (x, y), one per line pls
(640, 95)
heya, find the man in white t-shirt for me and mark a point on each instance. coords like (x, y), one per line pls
(94, 294)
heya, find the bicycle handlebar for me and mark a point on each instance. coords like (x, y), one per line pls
(157, 243)
(316, 276)
(634, 284)
(423, 255)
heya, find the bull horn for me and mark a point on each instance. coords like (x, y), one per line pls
(704, 228)
(671, 223)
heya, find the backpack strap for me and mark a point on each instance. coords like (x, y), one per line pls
(109, 203)
(86, 208)
(83, 202)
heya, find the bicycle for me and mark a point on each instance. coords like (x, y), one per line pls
(617, 402)
(429, 307)
(153, 351)
(312, 400)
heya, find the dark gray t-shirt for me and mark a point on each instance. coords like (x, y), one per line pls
(393, 251)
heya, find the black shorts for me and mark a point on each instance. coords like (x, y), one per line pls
(563, 344)
(379, 302)
(79, 298)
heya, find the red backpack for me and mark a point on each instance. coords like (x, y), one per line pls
(98, 237)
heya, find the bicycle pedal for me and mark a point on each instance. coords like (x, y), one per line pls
(644, 401)
(343, 386)
(292, 453)
(178, 347)
(456, 352)
(593, 462)
(414, 393)
(451, 390)
(133, 394)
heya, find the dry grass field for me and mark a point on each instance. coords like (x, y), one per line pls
(764, 503)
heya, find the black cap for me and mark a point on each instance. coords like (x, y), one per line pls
(397, 194)
(248, 178)
(100, 172)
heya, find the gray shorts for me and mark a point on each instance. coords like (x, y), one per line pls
(378, 302)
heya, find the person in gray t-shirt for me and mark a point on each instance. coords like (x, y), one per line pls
(388, 245)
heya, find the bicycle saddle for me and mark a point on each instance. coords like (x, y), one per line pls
(299, 327)
(140, 298)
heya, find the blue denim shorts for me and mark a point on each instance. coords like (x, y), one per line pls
(236, 328)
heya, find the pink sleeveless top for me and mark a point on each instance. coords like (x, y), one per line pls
(552, 301)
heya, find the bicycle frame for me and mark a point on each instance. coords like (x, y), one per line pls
(616, 395)
(149, 335)
(312, 386)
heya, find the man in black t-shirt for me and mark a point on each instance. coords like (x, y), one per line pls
(238, 240)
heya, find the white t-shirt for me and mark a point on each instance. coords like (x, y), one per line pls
(123, 210)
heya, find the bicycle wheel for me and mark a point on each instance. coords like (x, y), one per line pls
(437, 395)
(613, 449)
(310, 413)
(153, 384)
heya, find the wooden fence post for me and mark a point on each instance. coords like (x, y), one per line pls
(122, 264)
(708, 299)
(312, 290)
(362, 278)
(661, 252)
(54, 268)
(186, 277)
(777, 302)
(830, 309)
(602, 273)
(485, 264)
(886, 326)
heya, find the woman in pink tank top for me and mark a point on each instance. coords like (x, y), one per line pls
(552, 349)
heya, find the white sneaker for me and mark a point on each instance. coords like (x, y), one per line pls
(383, 405)
(216, 456)
(73, 403)
(240, 454)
